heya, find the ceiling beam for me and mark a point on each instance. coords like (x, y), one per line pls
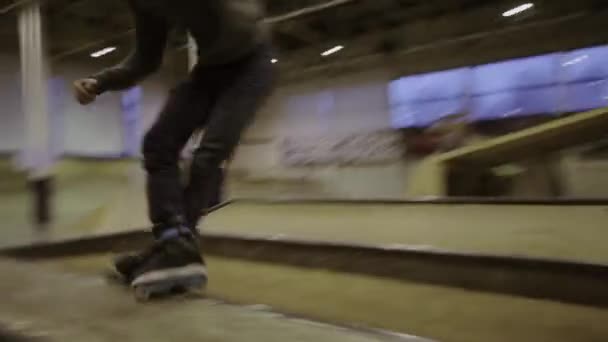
(269, 20)
(303, 33)
(522, 40)
(14, 5)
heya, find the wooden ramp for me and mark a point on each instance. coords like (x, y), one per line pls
(430, 178)
(44, 304)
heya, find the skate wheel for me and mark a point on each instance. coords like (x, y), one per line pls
(142, 294)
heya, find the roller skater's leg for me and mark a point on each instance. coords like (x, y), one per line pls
(243, 89)
(186, 109)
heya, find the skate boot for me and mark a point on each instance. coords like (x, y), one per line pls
(172, 265)
(126, 264)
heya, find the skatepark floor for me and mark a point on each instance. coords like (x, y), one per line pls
(102, 197)
(439, 313)
(105, 197)
(90, 197)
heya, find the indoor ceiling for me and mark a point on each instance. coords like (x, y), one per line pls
(431, 33)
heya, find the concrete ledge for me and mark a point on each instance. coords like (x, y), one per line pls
(93, 311)
(13, 335)
(435, 200)
(571, 282)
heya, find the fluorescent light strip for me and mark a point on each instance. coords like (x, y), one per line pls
(518, 10)
(103, 52)
(332, 50)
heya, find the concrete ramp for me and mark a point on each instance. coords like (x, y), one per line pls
(44, 304)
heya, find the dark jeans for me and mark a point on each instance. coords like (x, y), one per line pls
(217, 194)
(222, 99)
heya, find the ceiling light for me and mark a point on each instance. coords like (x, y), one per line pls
(103, 52)
(518, 10)
(274, 60)
(332, 50)
(575, 60)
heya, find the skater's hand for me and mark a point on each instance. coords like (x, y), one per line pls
(85, 90)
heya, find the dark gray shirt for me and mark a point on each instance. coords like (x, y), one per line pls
(224, 31)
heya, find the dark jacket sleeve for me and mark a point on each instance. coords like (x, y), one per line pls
(151, 33)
